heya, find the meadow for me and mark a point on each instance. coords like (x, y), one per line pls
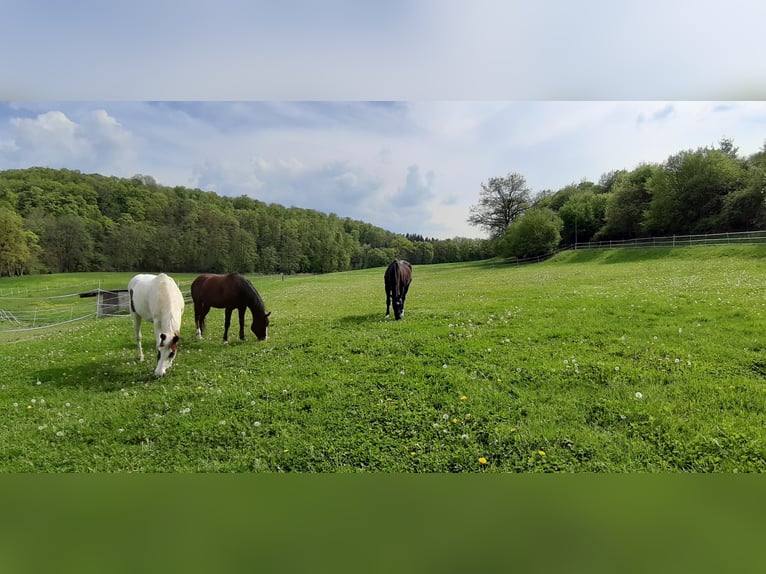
(624, 360)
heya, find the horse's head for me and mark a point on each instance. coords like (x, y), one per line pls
(260, 326)
(166, 352)
(398, 305)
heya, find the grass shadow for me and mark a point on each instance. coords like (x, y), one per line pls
(103, 375)
(366, 318)
(613, 255)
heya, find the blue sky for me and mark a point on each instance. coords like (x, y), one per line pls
(393, 113)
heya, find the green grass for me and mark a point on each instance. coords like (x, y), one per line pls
(633, 360)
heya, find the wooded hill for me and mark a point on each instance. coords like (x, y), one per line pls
(59, 220)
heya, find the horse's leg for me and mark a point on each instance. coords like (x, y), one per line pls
(242, 323)
(226, 324)
(388, 303)
(200, 312)
(199, 319)
(137, 329)
(404, 296)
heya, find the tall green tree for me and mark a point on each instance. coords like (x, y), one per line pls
(582, 216)
(15, 254)
(68, 245)
(537, 233)
(688, 192)
(627, 204)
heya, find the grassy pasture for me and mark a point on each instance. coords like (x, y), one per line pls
(629, 360)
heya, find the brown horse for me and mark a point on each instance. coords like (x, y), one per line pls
(229, 292)
(397, 278)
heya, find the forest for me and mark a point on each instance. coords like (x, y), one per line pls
(60, 220)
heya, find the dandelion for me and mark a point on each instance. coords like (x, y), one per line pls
(435, 425)
(541, 452)
(15, 404)
(39, 382)
(680, 330)
(67, 405)
(468, 416)
(257, 423)
(464, 436)
(463, 398)
(455, 421)
(60, 433)
(445, 417)
(81, 421)
(513, 429)
(482, 460)
(33, 401)
(120, 430)
(413, 453)
(444, 366)
(617, 369)
(566, 362)
(401, 372)
(639, 395)
(185, 411)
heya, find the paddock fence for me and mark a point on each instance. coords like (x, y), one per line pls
(710, 239)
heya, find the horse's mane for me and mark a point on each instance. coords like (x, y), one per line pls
(247, 286)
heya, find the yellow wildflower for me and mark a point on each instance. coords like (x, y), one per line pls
(542, 452)
(482, 460)
(463, 398)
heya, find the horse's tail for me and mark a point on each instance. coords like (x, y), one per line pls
(397, 278)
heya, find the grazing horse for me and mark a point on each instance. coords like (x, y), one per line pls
(397, 279)
(158, 299)
(232, 291)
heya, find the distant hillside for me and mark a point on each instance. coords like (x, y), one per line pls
(59, 220)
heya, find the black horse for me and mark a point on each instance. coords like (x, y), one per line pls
(397, 279)
(232, 291)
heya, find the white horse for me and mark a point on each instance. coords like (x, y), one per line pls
(158, 299)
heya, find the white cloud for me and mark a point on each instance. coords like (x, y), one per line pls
(48, 136)
(53, 139)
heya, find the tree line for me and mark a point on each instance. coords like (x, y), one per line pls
(706, 190)
(60, 220)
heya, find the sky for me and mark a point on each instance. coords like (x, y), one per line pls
(393, 113)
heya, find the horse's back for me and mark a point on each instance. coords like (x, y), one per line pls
(398, 274)
(148, 293)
